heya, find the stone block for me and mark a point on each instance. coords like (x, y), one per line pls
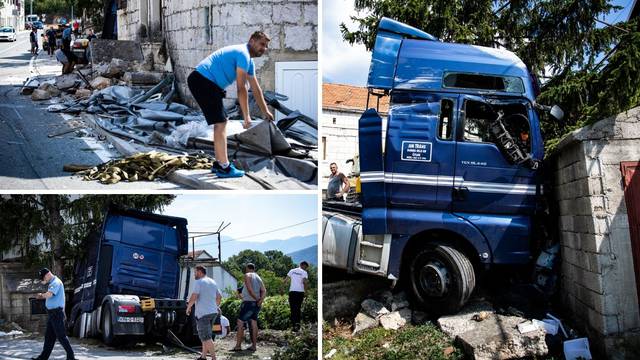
(299, 38)
(287, 13)
(310, 14)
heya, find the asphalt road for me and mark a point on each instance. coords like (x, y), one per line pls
(29, 159)
(86, 349)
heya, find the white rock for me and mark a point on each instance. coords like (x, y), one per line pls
(393, 321)
(39, 94)
(363, 322)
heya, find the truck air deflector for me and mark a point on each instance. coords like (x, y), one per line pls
(422, 65)
(372, 173)
(385, 51)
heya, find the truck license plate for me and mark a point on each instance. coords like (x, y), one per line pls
(131, 319)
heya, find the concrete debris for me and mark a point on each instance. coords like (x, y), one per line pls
(419, 317)
(49, 88)
(330, 353)
(102, 50)
(399, 301)
(346, 297)
(577, 349)
(393, 321)
(373, 308)
(144, 166)
(115, 69)
(143, 77)
(82, 93)
(67, 81)
(39, 94)
(363, 322)
(496, 337)
(26, 91)
(100, 83)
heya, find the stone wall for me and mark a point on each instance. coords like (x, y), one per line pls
(598, 281)
(16, 287)
(192, 29)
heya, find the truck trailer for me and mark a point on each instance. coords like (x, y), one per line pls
(453, 186)
(127, 284)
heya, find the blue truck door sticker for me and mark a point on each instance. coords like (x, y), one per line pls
(416, 151)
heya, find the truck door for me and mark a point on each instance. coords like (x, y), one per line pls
(495, 194)
(420, 150)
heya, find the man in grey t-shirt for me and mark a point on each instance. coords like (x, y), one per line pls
(253, 293)
(205, 290)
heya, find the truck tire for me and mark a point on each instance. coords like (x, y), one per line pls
(106, 325)
(441, 278)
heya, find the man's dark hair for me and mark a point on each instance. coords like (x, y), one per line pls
(201, 269)
(259, 35)
(250, 266)
(304, 263)
(333, 164)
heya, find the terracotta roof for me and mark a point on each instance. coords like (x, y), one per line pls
(351, 98)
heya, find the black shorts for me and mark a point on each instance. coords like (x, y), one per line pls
(209, 97)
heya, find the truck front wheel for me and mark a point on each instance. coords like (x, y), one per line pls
(441, 278)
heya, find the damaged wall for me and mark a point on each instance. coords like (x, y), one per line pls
(194, 29)
(598, 283)
(16, 287)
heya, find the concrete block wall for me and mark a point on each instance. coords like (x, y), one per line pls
(340, 137)
(598, 280)
(195, 28)
(16, 287)
(129, 24)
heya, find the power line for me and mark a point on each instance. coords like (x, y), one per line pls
(266, 232)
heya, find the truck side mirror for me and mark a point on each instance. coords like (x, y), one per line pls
(556, 112)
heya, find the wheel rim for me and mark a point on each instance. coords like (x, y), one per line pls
(433, 278)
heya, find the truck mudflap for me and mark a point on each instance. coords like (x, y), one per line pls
(126, 314)
(372, 173)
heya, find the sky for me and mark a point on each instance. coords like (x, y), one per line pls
(248, 214)
(346, 64)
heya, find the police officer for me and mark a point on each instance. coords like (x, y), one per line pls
(55, 315)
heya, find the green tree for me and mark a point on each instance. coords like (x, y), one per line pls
(63, 221)
(559, 37)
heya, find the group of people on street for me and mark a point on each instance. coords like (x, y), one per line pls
(205, 296)
(52, 42)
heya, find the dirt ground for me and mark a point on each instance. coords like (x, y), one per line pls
(26, 347)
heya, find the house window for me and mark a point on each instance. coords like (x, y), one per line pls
(334, 121)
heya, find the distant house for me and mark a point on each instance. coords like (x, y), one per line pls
(215, 270)
(342, 106)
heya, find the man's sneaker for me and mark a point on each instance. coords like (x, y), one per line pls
(215, 167)
(229, 172)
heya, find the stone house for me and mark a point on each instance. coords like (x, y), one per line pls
(189, 30)
(597, 190)
(342, 106)
(215, 270)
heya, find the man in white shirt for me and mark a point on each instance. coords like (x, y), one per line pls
(298, 279)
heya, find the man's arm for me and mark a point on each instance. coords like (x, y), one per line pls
(46, 295)
(192, 301)
(263, 294)
(243, 96)
(247, 284)
(257, 94)
(218, 298)
(305, 283)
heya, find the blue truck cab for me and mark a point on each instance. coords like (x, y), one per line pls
(451, 185)
(127, 284)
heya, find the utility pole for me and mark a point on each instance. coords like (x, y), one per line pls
(31, 8)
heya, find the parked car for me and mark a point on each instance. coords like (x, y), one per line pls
(8, 33)
(28, 25)
(38, 25)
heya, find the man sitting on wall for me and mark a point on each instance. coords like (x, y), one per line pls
(208, 81)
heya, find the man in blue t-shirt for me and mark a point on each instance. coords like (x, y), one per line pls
(55, 320)
(208, 81)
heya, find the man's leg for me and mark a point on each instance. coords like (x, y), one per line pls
(61, 335)
(239, 334)
(296, 309)
(220, 142)
(254, 334)
(49, 340)
(210, 348)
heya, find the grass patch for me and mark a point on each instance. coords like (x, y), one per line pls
(410, 342)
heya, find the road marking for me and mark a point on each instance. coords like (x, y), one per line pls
(18, 43)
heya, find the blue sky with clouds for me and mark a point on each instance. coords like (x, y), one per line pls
(346, 64)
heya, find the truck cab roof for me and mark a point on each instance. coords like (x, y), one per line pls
(408, 58)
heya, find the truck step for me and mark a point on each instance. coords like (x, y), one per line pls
(370, 244)
(369, 264)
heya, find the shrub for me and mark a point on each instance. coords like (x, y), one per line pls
(275, 312)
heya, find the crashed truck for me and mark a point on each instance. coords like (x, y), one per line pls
(127, 284)
(453, 186)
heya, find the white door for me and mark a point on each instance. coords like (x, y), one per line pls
(299, 81)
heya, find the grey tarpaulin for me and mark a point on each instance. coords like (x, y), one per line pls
(282, 156)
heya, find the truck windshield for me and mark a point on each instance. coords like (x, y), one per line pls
(509, 84)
